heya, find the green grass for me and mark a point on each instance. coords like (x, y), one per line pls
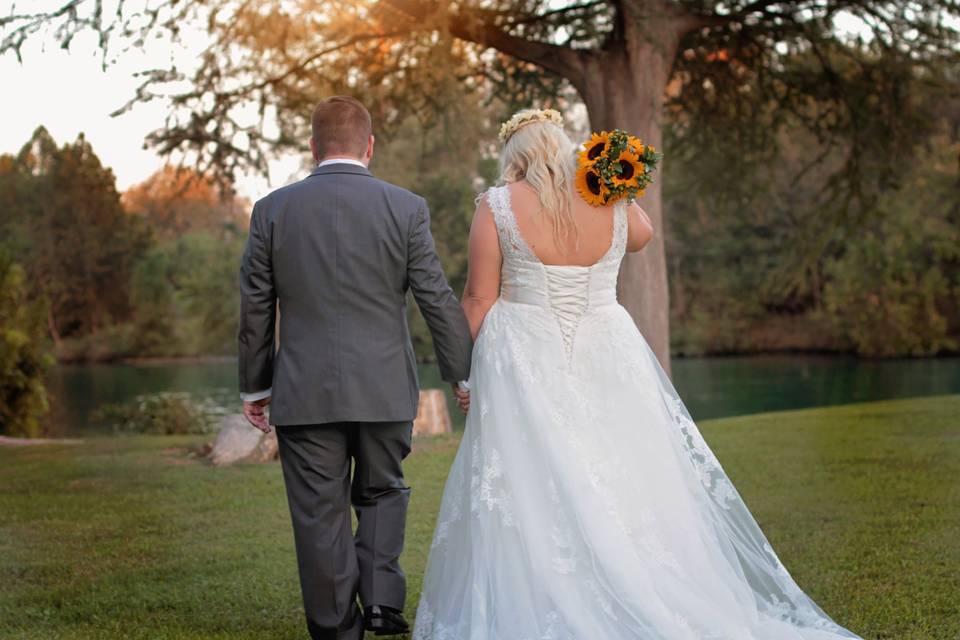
(133, 538)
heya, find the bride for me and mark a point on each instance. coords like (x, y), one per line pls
(583, 504)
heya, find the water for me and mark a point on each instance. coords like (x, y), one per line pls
(732, 386)
(710, 387)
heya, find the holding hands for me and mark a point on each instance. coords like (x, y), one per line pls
(462, 395)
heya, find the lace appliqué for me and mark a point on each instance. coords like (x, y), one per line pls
(429, 628)
(512, 244)
(485, 485)
(601, 478)
(704, 462)
(455, 512)
(804, 616)
(565, 561)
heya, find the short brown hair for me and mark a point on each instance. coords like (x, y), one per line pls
(341, 125)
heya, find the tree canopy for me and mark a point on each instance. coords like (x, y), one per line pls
(176, 201)
(726, 60)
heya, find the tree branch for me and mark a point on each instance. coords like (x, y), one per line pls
(553, 13)
(474, 26)
(693, 21)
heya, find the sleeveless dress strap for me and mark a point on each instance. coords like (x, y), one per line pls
(494, 197)
(511, 242)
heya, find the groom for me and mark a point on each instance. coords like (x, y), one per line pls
(338, 250)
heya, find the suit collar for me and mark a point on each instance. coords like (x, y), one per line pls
(341, 167)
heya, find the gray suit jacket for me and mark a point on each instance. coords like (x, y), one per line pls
(339, 250)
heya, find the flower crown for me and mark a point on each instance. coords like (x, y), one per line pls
(528, 116)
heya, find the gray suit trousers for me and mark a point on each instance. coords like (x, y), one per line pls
(335, 565)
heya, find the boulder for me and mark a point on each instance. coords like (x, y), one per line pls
(239, 440)
(433, 418)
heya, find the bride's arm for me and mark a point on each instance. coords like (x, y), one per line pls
(483, 268)
(639, 228)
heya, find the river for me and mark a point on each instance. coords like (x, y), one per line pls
(710, 387)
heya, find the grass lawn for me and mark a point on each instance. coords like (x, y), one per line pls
(133, 538)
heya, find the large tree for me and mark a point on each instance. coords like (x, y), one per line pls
(63, 217)
(631, 61)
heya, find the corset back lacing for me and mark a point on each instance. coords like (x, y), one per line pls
(570, 292)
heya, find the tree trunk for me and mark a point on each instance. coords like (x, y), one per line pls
(623, 86)
(624, 89)
(52, 327)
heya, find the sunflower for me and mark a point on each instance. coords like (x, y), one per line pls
(598, 145)
(627, 169)
(590, 186)
(635, 144)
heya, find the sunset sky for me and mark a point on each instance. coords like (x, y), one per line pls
(69, 93)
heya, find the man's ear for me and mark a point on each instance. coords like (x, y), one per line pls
(313, 149)
(370, 142)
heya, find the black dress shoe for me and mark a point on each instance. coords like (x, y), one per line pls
(384, 621)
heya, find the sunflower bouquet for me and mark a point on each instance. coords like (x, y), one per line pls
(614, 165)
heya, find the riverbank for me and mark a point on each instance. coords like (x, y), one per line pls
(6, 441)
(148, 360)
(138, 538)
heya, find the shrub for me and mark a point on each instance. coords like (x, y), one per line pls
(169, 413)
(23, 355)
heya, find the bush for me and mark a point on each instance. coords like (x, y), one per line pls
(23, 355)
(170, 413)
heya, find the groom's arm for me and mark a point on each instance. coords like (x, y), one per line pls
(258, 303)
(437, 302)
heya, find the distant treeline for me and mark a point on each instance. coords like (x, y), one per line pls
(758, 262)
(151, 272)
(769, 253)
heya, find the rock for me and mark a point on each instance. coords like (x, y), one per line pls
(267, 449)
(432, 415)
(239, 440)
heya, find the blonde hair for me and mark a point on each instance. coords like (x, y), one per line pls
(542, 154)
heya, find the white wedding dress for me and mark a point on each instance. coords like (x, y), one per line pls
(583, 504)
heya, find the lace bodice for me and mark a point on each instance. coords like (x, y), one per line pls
(569, 292)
